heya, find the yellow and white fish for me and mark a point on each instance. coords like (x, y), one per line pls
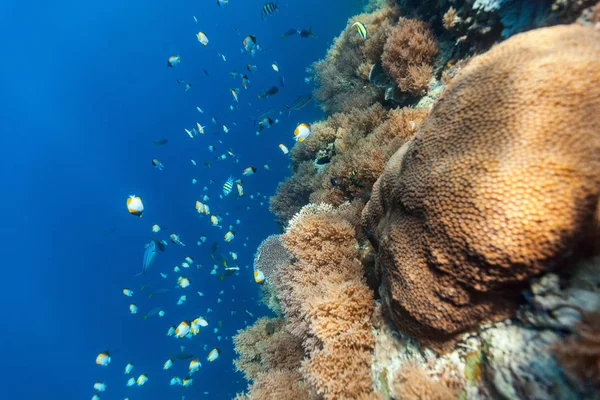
(194, 365)
(135, 206)
(100, 386)
(213, 355)
(266, 166)
(234, 93)
(183, 282)
(182, 329)
(275, 67)
(128, 368)
(190, 134)
(142, 379)
(283, 148)
(161, 313)
(249, 171)
(131, 382)
(233, 255)
(128, 292)
(175, 239)
(302, 131)
(189, 259)
(133, 308)
(200, 110)
(259, 276)
(200, 207)
(228, 186)
(103, 358)
(229, 236)
(225, 129)
(202, 38)
(361, 29)
(156, 228)
(240, 189)
(181, 300)
(201, 321)
(200, 128)
(187, 381)
(173, 61)
(175, 381)
(215, 220)
(168, 364)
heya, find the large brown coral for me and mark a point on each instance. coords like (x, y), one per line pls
(501, 182)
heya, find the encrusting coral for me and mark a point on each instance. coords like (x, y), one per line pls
(500, 183)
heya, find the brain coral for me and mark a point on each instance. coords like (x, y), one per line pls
(501, 182)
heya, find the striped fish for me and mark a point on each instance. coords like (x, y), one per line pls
(361, 29)
(268, 9)
(228, 186)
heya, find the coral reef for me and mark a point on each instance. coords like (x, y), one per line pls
(408, 55)
(482, 192)
(342, 76)
(579, 354)
(293, 193)
(500, 184)
(327, 307)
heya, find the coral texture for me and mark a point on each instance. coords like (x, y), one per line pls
(579, 355)
(326, 302)
(500, 184)
(341, 77)
(408, 54)
(293, 193)
(412, 382)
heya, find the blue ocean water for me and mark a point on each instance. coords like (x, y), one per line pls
(86, 90)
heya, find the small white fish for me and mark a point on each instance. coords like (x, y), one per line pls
(100, 386)
(190, 134)
(164, 276)
(193, 162)
(195, 19)
(199, 110)
(133, 308)
(128, 368)
(131, 382)
(213, 355)
(142, 379)
(275, 67)
(128, 292)
(181, 300)
(202, 38)
(194, 365)
(168, 364)
(283, 148)
(175, 381)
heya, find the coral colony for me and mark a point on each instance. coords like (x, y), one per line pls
(442, 223)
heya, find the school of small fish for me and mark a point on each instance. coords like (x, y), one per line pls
(188, 274)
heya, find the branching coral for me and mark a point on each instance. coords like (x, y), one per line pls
(579, 354)
(266, 346)
(293, 193)
(500, 183)
(341, 78)
(412, 382)
(363, 155)
(408, 55)
(278, 385)
(326, 302)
